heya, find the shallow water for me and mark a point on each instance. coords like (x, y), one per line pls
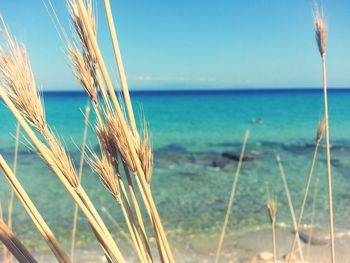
(192, 180)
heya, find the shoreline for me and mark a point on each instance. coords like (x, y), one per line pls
(249, 247)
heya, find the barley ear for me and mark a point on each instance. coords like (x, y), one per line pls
(320, 31)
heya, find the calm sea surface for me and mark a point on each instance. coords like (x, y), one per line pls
(190, 131)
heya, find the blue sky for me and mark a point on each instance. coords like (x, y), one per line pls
(197, 44)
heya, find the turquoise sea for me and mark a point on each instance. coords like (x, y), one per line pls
(190, 131)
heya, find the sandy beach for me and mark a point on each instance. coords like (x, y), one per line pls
(250, 247)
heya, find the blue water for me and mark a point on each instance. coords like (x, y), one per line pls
(190, 130)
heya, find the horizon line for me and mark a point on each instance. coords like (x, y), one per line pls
(74, 90)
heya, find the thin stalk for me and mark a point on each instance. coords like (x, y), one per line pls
(80, 173)
(111, 218)
(118, 58)
(313, 211)
(39, 222)
(13, 244)
(14, 169)
(7, 256)
(130, 220)
(231, 199)
(138, 211)
(160, 245)
(328, 155)
(290, 204)
(273, 225)
(77, 194)
(296, 235)
(124, 127)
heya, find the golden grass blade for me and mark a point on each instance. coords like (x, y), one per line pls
(313, 211)
(138, 211)
(33, 213)
(290, 204)
(321, 38)
(232, 196)
(14, 245)
(80, 173)
(14, 169)
(120, 65)
(130, 220)
(120, 229)
(7, 256)
(320, 130)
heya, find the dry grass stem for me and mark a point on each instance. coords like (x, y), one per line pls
(7, 256)
(290, 204)
(272, 210)
(13, 244)
(117, 225)
(321, 38)
(313, 211)
(39, 222)
(320, 131)
(131, 223)
(231, 199)
(80, 174)
(138, 211)
(120, 65)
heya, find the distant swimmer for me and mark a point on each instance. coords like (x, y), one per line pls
(259, 121)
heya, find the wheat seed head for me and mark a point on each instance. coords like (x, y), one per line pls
(320, 130)
(320, 31)
(145, 154)
(18, 80)
(107, 173)
(272, 208)
(106, 140)
(83, 72)
(119, 139)
(62, 159)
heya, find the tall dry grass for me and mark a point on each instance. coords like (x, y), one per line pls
(231, 198)
(319, 134)
(290, 203)
(321, 39)
(125, 161)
